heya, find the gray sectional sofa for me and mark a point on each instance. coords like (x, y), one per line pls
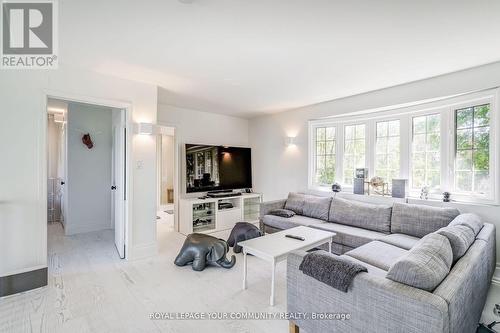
(429, 268)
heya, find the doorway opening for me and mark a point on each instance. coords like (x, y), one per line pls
(166, 181)
(86, 170)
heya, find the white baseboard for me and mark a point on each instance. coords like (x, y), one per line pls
(142, 251)
(80, 228)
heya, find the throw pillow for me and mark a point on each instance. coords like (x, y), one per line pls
(461, 238)
(425, 265)
(316, 207)
(282, 212)
(472, 221)
(295, 202)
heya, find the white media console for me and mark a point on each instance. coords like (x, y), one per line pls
(204, 215)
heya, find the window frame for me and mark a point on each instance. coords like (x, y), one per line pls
(366, 158)
(314, 147)
(374, 158)
(446, 107)
(494, 166)
(442, 149)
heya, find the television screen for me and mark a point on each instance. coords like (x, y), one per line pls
(211, 168)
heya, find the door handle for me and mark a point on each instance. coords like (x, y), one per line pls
(113, 187)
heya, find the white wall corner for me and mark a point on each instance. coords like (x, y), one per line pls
(142, 251)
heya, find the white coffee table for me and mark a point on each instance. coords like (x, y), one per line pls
(276, 247)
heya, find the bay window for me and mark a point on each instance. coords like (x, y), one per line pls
(445, 145)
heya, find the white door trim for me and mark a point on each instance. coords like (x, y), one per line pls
(176, 171)
(117, 104)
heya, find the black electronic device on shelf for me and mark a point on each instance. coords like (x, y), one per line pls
(223, 194)
(225, 205)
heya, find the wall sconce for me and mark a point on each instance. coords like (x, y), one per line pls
(290, 141)
(59, 118)
(144, 129)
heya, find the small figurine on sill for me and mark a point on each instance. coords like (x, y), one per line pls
(336, 187)
(424, 193)
(446, 196)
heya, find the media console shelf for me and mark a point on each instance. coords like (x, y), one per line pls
(216, 214)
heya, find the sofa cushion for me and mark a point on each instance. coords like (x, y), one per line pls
(283, 223)
(400, 240)
(295, 202)
(317, 207)
(347, 235)
(371, 269)
(420, 220)
(378, 254)
(425, 265)
(460, 237)
(361, 214)
(472, 221)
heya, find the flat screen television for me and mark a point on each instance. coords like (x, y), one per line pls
(213, 168)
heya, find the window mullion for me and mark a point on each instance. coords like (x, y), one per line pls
(404, 147)
(370, 154)
(339, 150)
(447, 150)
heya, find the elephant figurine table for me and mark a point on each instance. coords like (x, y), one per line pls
(201, 250)
(242, 231)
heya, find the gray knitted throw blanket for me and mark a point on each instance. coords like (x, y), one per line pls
(333, 270)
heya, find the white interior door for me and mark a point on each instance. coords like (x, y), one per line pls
(118, 189)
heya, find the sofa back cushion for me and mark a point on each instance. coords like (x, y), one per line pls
(420, 220)
(316, 207)
(460, 237)
(425, 265)
(309, 205)
(471, 221)
(295, 202)
(361, 214)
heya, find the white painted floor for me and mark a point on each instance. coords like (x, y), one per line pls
(91, 290)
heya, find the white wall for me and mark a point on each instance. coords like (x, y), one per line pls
(23, 193)
(279, 169)
(89, 170)
(204, 128)
(54, 131)
(167, 151)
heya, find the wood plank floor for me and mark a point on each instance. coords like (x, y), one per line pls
(91, 290)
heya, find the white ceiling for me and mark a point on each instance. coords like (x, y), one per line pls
(248, 57)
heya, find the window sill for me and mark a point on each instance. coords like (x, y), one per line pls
(477, 202)
(322, 190)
